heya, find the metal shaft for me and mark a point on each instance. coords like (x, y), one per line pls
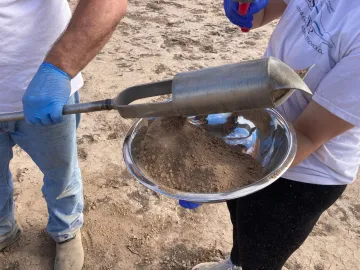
(102, 105)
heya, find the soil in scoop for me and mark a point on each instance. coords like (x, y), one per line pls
(181, 156)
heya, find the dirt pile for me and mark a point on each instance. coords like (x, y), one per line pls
(182, 156)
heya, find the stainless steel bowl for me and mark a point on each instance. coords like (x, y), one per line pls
(264, 134)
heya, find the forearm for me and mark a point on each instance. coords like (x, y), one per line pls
(273, 11)
(305, 147)
(90, 28)
(314, 127)
(258, 19)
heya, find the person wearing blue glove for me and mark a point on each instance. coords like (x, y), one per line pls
(42, 51)
(232, 12)
(271, 224)
(42, 105)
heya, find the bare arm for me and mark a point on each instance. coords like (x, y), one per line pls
(314, 127)
(273, 11)
(89, 29)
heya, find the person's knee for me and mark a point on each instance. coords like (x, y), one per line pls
(62, 185)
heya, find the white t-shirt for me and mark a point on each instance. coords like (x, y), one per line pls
(28, 29)
(325, 33)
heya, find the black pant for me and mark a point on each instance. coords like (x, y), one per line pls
(269, 225)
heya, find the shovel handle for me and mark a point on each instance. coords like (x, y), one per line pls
(101, 105)
(243, 9)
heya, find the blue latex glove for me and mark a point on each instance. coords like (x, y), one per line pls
(46, 96)
(188, 205)
(231, 10)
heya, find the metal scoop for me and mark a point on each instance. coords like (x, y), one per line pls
(263, 83)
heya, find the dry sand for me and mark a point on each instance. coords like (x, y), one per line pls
(127, 226)
(187, 158)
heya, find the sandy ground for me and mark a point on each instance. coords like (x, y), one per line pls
(127, 226)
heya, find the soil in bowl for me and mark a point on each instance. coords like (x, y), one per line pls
(182, 156)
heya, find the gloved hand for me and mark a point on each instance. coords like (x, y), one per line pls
(231, 10)
(46, 96)
(188, 205)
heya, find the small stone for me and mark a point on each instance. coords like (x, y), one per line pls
(93, 207)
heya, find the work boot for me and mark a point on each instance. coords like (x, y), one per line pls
(223, 265)
(70, 254)
(11, 237)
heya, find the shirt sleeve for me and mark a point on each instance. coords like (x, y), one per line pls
(287, 1)
(339, 91)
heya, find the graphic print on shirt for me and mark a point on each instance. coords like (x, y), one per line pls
(313, 28)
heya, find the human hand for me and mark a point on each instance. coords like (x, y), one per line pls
(232, 12)
(46, 96)
(188, 205)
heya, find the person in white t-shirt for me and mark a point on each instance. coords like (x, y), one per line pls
(273, 223)
(42, 52)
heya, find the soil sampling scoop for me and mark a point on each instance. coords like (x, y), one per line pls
(263, 83)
